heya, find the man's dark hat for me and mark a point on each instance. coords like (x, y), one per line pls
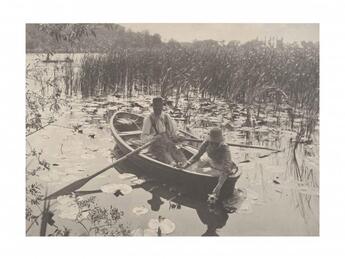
(157, 100)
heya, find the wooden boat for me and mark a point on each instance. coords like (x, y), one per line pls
(126, 127)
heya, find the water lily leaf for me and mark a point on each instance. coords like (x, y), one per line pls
(67, 207)
(112, 188)
(153, 224)
(140, 210)
(165, 225)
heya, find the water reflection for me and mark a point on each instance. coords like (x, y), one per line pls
(155, 202)
(214, 218)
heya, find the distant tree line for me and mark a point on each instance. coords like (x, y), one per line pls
(85, 38)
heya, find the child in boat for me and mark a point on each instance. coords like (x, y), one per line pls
(218, 158)
(160, 127)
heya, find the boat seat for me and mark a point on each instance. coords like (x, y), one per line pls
(130, 133)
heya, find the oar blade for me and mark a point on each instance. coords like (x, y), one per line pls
(69, 188)
(79, 183)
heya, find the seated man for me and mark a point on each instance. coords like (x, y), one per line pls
(219, 159)
(160, 127)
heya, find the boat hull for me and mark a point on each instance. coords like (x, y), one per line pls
(191, 183)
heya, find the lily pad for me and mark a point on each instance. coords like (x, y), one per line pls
(112, 188)
(165, 225)
(140, 210)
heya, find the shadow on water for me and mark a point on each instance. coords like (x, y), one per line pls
(213, 217)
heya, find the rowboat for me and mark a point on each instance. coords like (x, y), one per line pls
(126, 129)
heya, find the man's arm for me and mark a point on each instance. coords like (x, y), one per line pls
(197, 156)
(146, 132)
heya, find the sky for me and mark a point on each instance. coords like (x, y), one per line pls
(188, 32)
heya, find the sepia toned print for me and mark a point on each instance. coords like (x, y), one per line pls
(172, 129)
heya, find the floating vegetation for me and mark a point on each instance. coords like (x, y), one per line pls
(114, 187)
(140, 210)
(162, 225)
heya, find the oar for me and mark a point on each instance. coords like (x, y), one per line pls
(235, 145)
(79, 183)
(188, 134)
